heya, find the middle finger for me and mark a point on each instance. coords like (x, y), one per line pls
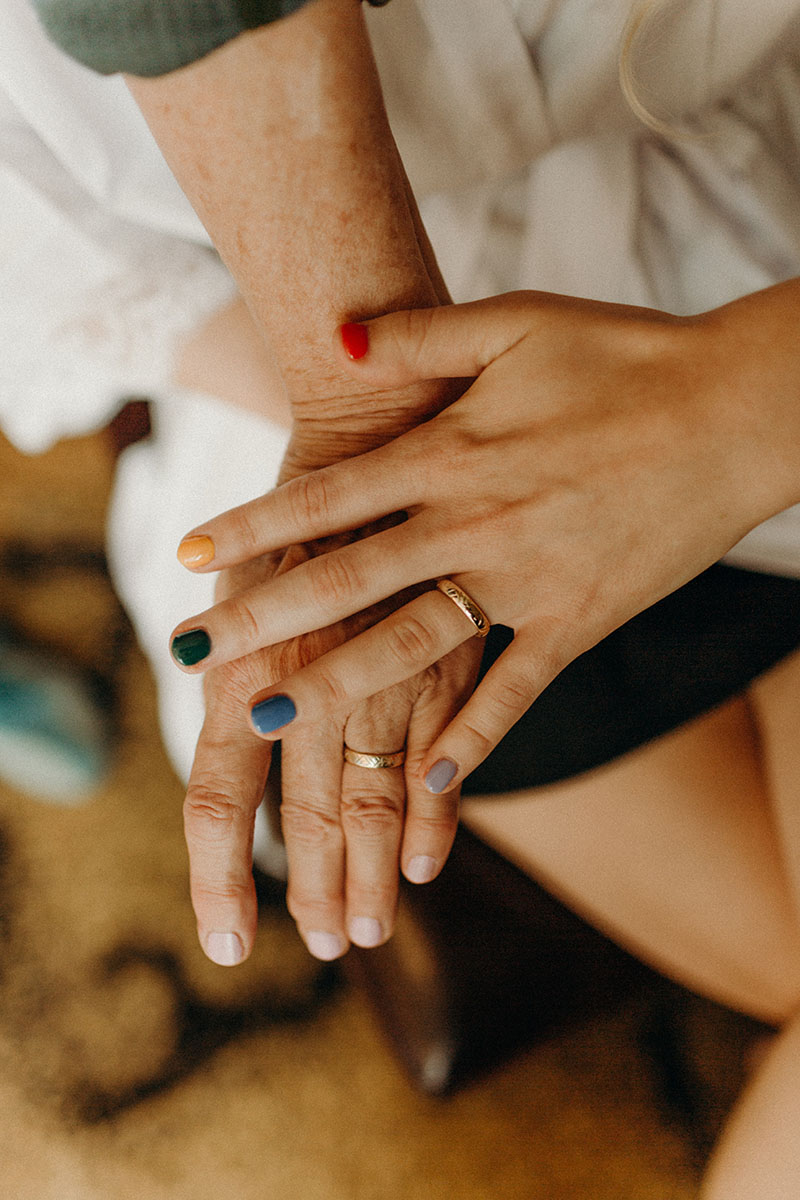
(397, 648)
(373, 809)
(311, 776)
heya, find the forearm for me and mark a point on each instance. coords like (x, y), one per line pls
(281, 142)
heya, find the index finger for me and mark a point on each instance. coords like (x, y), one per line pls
(225, 788)
(331, 500)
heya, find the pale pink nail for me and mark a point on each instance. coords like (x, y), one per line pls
(325, 945)
(421, 869)
(225, 949)
(366, 932)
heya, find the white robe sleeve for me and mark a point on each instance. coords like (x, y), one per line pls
(91, 306)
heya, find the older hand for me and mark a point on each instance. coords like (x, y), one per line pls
(347, 829)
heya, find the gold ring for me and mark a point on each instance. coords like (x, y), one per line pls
(360, 758)
(467, 605)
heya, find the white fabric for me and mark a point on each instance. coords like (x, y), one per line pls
(591, 202)
(103, 262)
(203, 458)
(533, 172)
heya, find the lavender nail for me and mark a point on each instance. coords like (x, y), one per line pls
(440, 775)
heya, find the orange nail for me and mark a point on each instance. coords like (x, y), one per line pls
(196, 551)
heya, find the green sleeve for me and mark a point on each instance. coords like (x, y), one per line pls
(152, 37)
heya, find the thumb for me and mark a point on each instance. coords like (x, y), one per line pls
(451, 342)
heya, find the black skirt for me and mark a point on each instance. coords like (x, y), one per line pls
(685, 655)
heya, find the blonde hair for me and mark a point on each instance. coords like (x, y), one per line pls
(640, 17)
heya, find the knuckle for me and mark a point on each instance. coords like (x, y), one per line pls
(245, 534)
(511, 696)
(438, 821)
(309, 828)
(411, 337)
(366, 896)
(205, 891)
(410, 642)
(481, 739)
(309, 909)
(331, 688)
(370, 815)
(313, 498)
(209, 813)
(335, 579)
(241, 615)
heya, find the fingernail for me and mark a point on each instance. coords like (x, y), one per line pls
(325, 945)
(191, 647)
(365, 931)
(196, 551)
(440, 775)
(355, 339)
(226, 949)
(270, 714)
(421, 869)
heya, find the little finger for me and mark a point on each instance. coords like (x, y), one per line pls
(431, 819)
(505, 693)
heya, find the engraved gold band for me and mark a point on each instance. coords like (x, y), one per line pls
(467, 605)
(375, 762)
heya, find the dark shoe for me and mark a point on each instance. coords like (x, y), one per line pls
(483, 963)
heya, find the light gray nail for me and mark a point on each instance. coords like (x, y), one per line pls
(440, 775)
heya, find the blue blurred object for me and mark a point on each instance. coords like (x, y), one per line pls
(54, 739)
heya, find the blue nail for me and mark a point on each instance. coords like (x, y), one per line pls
(440, 774)
(271, 714)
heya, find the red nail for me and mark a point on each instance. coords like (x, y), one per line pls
(355, 339)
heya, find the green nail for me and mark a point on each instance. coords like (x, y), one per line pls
(192, 647)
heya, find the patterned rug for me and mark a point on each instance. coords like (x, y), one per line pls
(133, 1067)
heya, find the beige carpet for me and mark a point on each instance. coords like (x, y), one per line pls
(132, 1067)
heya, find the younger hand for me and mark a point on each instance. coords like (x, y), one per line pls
(604, 456)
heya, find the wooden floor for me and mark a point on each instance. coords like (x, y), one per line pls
(132, 1067)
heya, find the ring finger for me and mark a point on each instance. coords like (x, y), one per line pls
(373, 807)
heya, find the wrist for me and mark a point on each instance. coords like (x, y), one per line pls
(751, 347)
(327, 432)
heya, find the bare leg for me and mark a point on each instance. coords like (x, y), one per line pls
(688, 852)
(759, 1155)
(672, 851)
